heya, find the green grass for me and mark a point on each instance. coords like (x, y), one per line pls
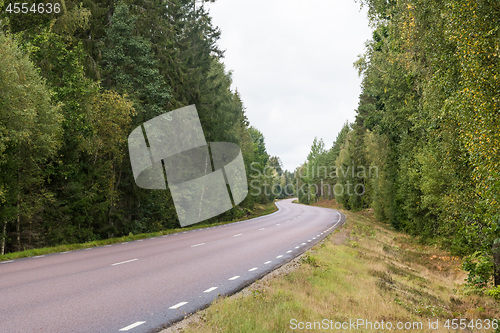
(365, 270)
(259, 210)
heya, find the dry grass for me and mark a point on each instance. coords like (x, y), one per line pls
(363, 271)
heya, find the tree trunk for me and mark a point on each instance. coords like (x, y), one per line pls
(4, 237)
(18, 214)
(496, 261)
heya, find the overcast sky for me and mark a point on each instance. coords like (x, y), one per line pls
(292, 62)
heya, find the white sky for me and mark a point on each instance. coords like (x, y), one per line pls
(292, 62)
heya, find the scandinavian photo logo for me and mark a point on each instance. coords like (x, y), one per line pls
(205, 179)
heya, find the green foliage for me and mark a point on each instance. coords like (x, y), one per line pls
(479, 266)
(30, 128)
(107, 67)
(427, 120)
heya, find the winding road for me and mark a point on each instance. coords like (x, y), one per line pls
(144, 285)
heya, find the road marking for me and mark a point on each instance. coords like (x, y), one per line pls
(124, 243)
(277, 224)
(210, 289)
(289, 251)
(253, 269)
(234, 278)
(267, 262)
(164, 236)
(314, 237)
(4, 262)
(195, 245)
(140, 240)
(237, 235)
(131, 326)
(88, 249)
(262, 228)
(65, 252)
(108, 245)
(280, 256)
(178, 305)
(303, 244)
(185, 232)
(39, 256)
(309, 241)
(123, 262)
(297, 247)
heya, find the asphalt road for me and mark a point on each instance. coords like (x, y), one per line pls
(144, 285)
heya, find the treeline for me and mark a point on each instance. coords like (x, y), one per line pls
(424, 149)
(74, 84)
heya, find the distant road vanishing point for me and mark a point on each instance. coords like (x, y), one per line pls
(144, 285)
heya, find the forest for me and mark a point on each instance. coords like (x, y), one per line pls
(73, 85)
(424, 149)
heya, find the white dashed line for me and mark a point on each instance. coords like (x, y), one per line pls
(262, 228)
(131, 326)
(303, 244)
(277, 224)
(280, 256)
(210, 289)
(289, 251)
(297, 247)
(309, 241)
(253, 269)
(234, 278)
(178, 305)
(267, 262)
(195, 245)
(237, 235)
(123, 262)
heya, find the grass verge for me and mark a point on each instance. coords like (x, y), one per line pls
(259, 210)
(366, 271)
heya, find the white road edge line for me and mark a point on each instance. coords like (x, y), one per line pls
(178, 305)
(210, 289)
(131, 326)
(195, 245)
(5, 262)
(234, 278)
(123, 262)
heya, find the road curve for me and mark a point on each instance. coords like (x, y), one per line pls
(144, 285)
